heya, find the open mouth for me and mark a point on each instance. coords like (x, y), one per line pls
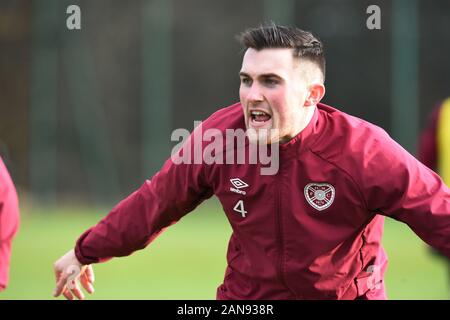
(259, 116)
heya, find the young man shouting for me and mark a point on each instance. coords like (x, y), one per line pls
(310, 230)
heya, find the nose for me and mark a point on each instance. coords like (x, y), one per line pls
(254, 94)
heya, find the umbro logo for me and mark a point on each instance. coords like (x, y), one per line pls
(238, 184)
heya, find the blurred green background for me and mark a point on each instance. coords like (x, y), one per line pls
(86, 117)
(188, 260)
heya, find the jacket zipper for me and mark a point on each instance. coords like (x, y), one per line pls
(280, 238)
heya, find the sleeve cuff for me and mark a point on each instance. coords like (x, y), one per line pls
(82, 258)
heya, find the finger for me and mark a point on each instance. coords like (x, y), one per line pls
(59, 286)
(57, 290)
(57, 274)
(86, 283)
(66, 293)
(73, 286)
(90, 274)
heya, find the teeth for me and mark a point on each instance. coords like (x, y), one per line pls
(258, 113)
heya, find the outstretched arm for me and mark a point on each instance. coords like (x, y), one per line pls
(137, 220)
(399, 186)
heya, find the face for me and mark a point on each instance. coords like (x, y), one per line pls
(275, 92)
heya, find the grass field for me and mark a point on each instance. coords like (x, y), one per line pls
(187, 261)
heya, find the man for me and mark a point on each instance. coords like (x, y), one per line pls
(9, 222)
(313, 229)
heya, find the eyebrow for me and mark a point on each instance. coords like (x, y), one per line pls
(265, 75)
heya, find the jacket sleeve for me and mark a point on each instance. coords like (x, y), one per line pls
(9, 222)
(173, 192)
(397, 185)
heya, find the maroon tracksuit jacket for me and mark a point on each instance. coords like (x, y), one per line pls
(312, 231)
(9, 222)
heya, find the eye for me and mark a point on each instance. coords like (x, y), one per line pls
(246, 81)
(271, 82)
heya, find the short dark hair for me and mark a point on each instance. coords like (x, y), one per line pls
(304, 43)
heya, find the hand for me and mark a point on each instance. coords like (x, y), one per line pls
(68, 271)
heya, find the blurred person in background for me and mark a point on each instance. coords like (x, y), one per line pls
(434, 146)
(310, 230)
(9, 222)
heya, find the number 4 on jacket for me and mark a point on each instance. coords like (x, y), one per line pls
(239, 207)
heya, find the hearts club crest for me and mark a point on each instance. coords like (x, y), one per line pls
(319, 195)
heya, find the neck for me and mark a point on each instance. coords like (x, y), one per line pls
(306, 119)
(308, 113)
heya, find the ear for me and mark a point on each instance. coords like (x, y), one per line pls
(316, 93)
